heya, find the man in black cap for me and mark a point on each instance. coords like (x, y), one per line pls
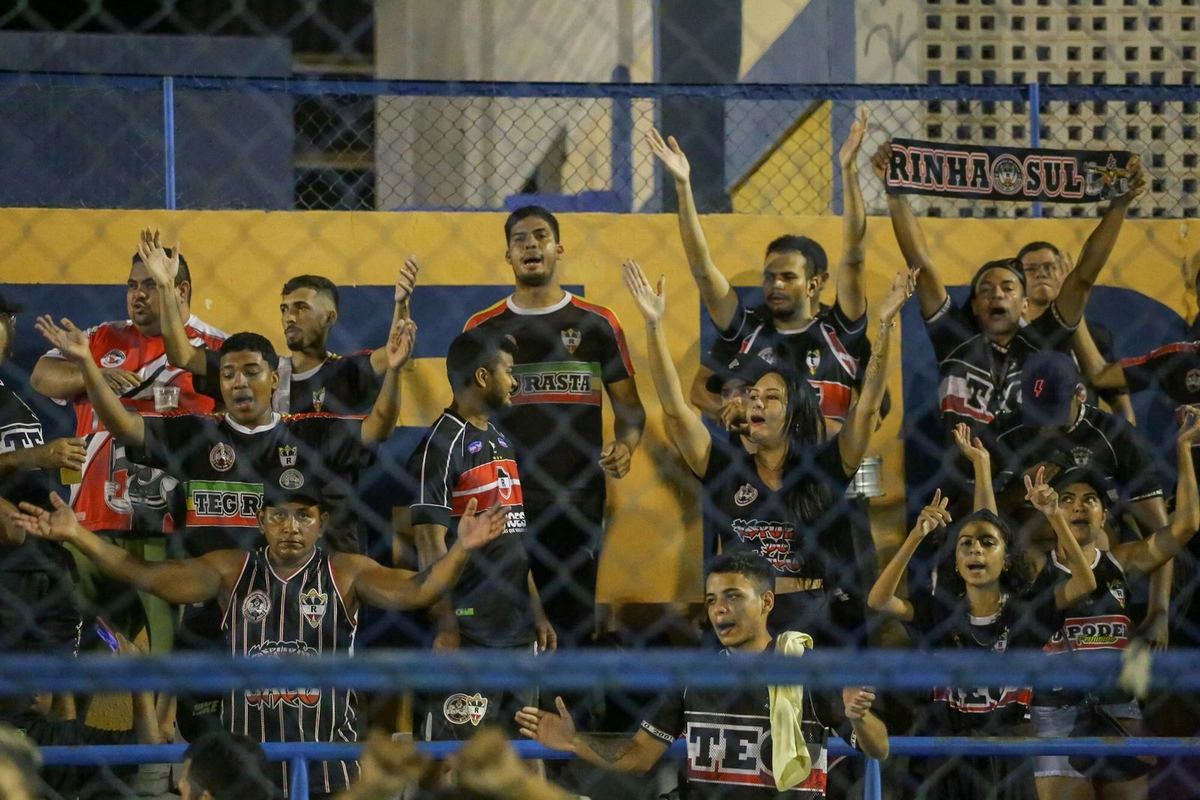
(290, 585)
(37, 609)
(1057, 430)
(982, 344)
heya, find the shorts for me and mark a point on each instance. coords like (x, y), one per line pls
(455, 716)
(1079, 720)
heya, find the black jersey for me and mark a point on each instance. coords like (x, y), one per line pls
(456, 462)
(829, 352)
(943, 621)
(21, 429)
(1098, 440)
(343, 385)
(978, 379)
(1098, 622)
(743, 512)
(728, 735)
(224, 464)
(1173, 369)
(271, 617)
(566, 354)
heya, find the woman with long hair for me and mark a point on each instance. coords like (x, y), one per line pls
(782, 500)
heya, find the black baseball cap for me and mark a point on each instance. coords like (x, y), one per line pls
(8, 306)
(291, 486)
(1088, 475)
(1048, 382)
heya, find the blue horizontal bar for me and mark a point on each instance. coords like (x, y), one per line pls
(309, 86)
(113, 755)
(651, 670)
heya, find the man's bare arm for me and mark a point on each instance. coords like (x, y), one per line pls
(851, 294)
(405, 282)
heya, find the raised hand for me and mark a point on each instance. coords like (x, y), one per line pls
(162, 268)
(70, 341)
(879, 161)
(1189, 429)
(970, 447)
(857, 700)
(903, 286)
(61, 454)
(476, 530)
(933, 516)
(401, 342)
(556, 731)
(1137, 181)
(1039, 493)
(406, 280)
(858, 133)
(652, 303)
(60, 525)
(670, 154)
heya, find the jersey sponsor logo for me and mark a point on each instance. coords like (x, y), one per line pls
(224, 503)
(275, 697)
(256, 606)
(812, 361)
(1091, 633)
(557, 382)
(772, 540)
(570, 339)
(459, 709)
(1081, 456)
(1117, 589)
(732, 749)
(291, 479)
(745, 495)
(222, 456)
(318, 398)
(982, 699)
(112, 359)
(287, 455)
(474, 447)
(503, 442)
(313, 606)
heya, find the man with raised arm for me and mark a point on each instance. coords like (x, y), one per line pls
(222, 459)
(118, 497)
(825, 345)
(737, 740)
(289, 598)
(981, 345)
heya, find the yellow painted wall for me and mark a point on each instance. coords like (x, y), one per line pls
(239, 260)
(797, 173)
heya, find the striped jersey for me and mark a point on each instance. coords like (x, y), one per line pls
(117, 494)
(269, 616)
(454, 463)
(566, 354)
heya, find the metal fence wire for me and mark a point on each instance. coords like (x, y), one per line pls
(89, 155)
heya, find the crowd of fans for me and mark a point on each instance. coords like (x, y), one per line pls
(1048, 527)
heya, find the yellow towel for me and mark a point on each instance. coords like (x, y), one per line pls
(790, 758)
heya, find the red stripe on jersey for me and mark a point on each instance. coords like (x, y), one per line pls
(1008, 697)
(486, 314)
(1165, 350)
(616, 326)
(485, 484)
(848, 362)
(835, 398)
(958, 405)
(816, 780)
(221, 521)
(593, 398)
(320, 415)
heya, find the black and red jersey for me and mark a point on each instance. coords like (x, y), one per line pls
(566, 354)
(455, 463)
(1174, 369)
(268, 616)
(344, 385)
(831, 352)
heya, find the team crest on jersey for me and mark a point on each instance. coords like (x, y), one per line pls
(474, 447)
(767, 354)
(745, 495)
(287, 455)
(460, 709)
(112, 359)
(812, 361)
(291, 480)
(1081, 456)
(1117, 590)
(313, 606)
(222, 457)
(570, 340)
(504, 483)
(256, 606)
(318, 399)
(1192, 379)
